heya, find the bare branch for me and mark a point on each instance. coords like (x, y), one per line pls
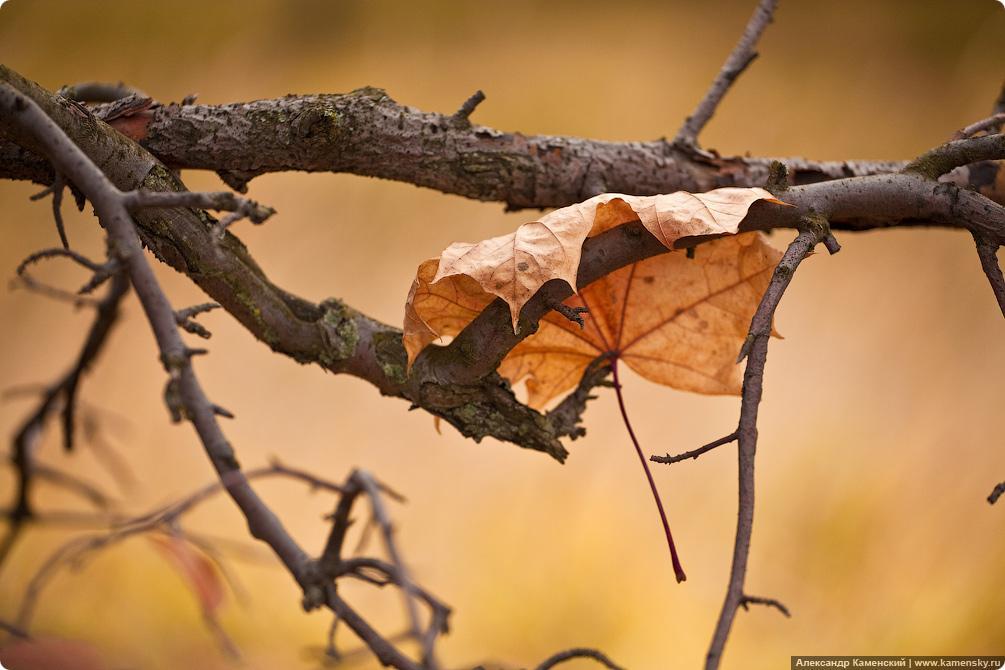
(578, 652)
(695, 453)
(739, 59)
(814, 231)
(957, 153)
(64, 391)
(767, 602)
(523, 171)
(987, 251)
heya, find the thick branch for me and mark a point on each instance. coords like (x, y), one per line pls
(457, 383)
(367, 133)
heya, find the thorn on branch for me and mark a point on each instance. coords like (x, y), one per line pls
(222, 411)
(767, 602)
(695, 453)
(996, 493)
(460, 118)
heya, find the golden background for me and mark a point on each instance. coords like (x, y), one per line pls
(881, 429)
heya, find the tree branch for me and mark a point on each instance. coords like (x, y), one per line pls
(739, 59)
(987, 251)
(448, 382)
(814, 231)
(367, 133)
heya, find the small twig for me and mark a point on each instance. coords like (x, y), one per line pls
(996, 493)
(578, 652)
(219, 201)
(987, 251)
(992, 125)
(184, 318)
(460, 118)
(695, 453)
(742, 56)
(767, 602)
(56, 190)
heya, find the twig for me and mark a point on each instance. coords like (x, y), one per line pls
(742, 56)
(996, 493)
(65, 389)
(184, 318)
(56, 190)
(695, 453)
(987, 251)
(814, 231)
(461, 119)
(578, 652)
(674, 559)
(767, 602)
(991, 124)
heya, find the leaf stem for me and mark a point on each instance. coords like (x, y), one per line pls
(678, 570)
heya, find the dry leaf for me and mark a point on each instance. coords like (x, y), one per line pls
(676, 321)
(448, 293)
(195, 567)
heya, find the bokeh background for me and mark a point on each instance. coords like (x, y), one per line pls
(881, 430)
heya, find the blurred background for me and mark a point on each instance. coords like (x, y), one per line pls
(881, 430)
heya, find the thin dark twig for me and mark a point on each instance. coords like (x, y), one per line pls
(996, 493)
(739, 59)
(56, 190)
(756, 347)
(64, 390)
(767, 602)
(987, 251)
(578, 652)
(695, 453)
(675, 560)
(14, 630)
